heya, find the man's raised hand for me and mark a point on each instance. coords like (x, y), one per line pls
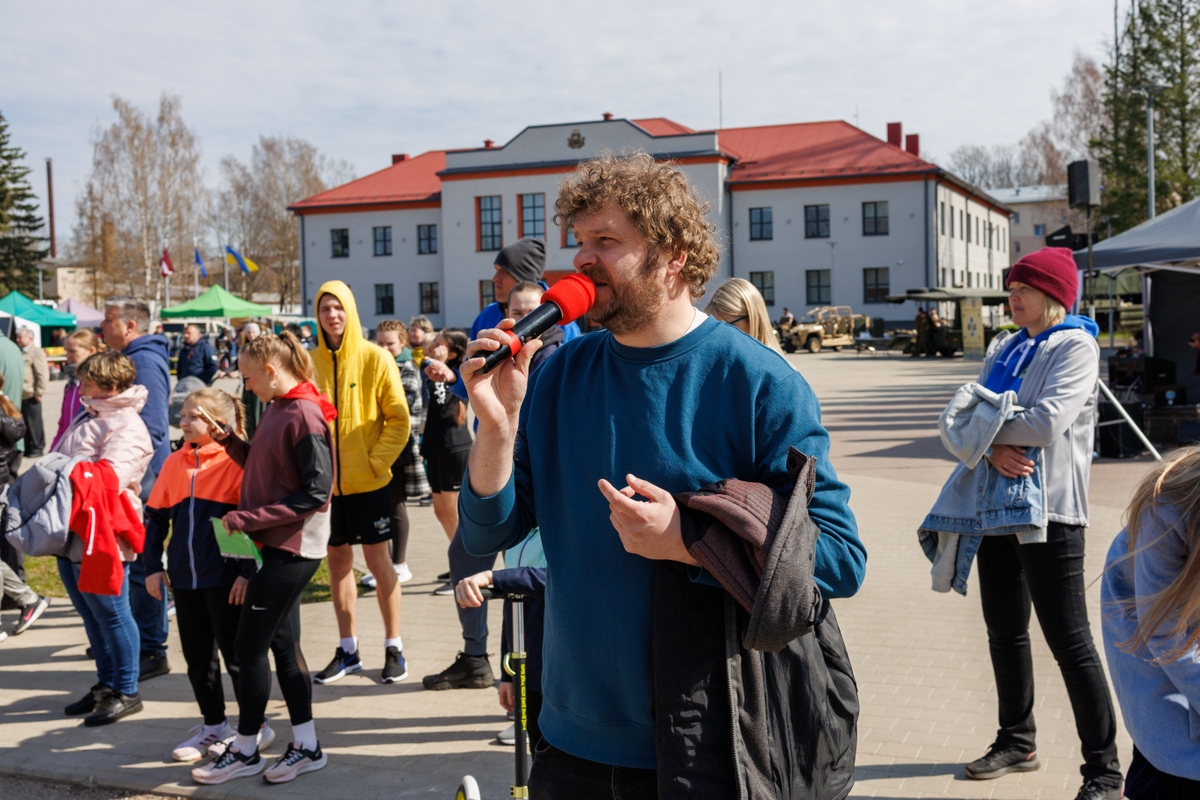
(496, 396)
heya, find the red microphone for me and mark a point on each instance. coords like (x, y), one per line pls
(566, 301)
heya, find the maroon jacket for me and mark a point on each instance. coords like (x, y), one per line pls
(288, 478)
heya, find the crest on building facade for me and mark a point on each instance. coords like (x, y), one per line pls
(575, 140)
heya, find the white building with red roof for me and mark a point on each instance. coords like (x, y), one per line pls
(812, 213)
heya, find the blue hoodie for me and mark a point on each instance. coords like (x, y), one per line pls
(1009, 369)
(150, 353)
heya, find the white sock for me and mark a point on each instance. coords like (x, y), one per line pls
(304, 735)
(350, 645)
(246, 745)
(397, 643)
(266, 726)
(217, 729)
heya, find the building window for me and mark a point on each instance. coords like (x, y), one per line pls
(943, 219)
(340, 240)
(816, 222)
(568, 238)
(383, 240)
(1039, 230)
(952, 223)
(1016, 220)
(760, 224)
(765, 283)
(961, 228)
(1016, 247)
(533, 215)
(875, 285)
(819, 286)
(385, 298)
(489, 228)
(969, 228)
(430, 303)
(487, 294)
(875, 219)
(426, 239)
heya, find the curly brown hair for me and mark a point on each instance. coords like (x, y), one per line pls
(656, 198)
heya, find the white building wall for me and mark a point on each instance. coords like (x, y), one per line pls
(957, 258)
(404, 268)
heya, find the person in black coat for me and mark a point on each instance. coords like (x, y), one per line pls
(197, 358)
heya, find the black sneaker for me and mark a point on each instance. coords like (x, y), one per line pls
(341, 666)
(30, 614)
(445, 576)
(1099, 789)
(445, 590)
(1001, 761)
(467, 672)
(152, 666)
(87, 703)
(112, 707)
(394, 667)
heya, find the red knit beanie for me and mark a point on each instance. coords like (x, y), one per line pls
(1052, 271)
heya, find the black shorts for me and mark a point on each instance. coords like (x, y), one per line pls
(364, 518)
(445, 472)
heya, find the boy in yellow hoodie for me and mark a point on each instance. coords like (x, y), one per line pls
(372, 428)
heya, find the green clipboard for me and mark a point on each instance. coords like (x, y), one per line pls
(236, 544)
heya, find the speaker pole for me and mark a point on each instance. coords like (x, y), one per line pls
(1091, 275)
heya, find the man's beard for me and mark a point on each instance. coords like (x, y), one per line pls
(634, 302)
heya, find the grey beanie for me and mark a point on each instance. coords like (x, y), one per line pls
(524, 259)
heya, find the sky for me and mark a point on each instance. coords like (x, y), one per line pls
(363, 80)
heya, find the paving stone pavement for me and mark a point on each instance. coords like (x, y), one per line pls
(921, 658)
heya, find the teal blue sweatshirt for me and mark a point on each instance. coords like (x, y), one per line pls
(713, 404)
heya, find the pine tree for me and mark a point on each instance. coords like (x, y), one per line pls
(1174, 51)
(20, 245)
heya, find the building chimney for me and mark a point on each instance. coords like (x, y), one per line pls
(398, 157)
(894, 134)
(912, 143)
(489, 144)
(607, 116)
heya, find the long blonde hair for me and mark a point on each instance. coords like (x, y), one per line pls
(9, 408)
(1175, 481)
(283, 352)
(737, 297)
(223, 406)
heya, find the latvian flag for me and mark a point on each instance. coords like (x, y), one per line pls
(164, 266)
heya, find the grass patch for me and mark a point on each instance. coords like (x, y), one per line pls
(41, 573)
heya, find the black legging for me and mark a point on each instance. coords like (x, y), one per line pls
(1050, 575)
(208, 623)
(398, 497)
(271, 621)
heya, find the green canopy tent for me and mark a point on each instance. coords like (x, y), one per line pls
(216, 302)
(19, 305)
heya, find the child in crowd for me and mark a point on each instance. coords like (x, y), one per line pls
(408, 473)
(109, 429)
(287, 482)
(78, 346)
(419, 330)
(1151, 594)
(199, 482)
(447, 440)
(12, 430)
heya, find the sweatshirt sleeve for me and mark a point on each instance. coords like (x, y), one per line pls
(315, 463)
(520, 580)
(41, 371)
(396, 423)
(1069, 386)
(790, 416)
(237, 448)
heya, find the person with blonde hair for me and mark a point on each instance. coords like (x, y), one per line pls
(78, 346)
(737, 302)
(1151, 598)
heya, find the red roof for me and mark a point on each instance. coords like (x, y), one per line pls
(808, 150)
(411, 181)
(661, 126)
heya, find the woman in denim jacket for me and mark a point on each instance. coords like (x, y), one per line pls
(1052, 364)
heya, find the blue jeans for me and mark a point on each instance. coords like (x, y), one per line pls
(149, 614)
(472, 620)
(110, 630)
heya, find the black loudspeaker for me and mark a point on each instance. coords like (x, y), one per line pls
(1083, 183)
(1119, 441)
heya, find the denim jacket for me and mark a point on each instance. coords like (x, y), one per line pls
(979, 501)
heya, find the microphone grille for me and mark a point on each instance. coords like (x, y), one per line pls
(573, 294)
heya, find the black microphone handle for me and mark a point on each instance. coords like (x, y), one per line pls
(530, 326)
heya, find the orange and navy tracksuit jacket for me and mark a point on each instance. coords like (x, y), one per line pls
(195, 485)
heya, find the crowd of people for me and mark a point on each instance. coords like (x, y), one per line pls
(677, 454)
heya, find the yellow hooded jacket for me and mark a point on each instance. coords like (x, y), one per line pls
(363, 382)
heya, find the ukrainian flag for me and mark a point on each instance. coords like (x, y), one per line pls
(234, 258)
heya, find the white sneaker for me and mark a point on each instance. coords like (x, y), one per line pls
(368, 581)
(508, 736)
(229, 765)
(266, 737)
(3, 635)
(295, 762)
(201, 740)
(403, 573)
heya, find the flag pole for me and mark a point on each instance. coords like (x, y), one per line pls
(166, 278)
(225, 261)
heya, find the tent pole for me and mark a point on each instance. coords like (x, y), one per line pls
(1121, 410)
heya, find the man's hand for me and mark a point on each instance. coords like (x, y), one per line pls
(648, 529)
(1009, 460)
(467, 591)
(506, 695)
(237, 592)
(154, 584)
(438, 371)
(496, 397)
